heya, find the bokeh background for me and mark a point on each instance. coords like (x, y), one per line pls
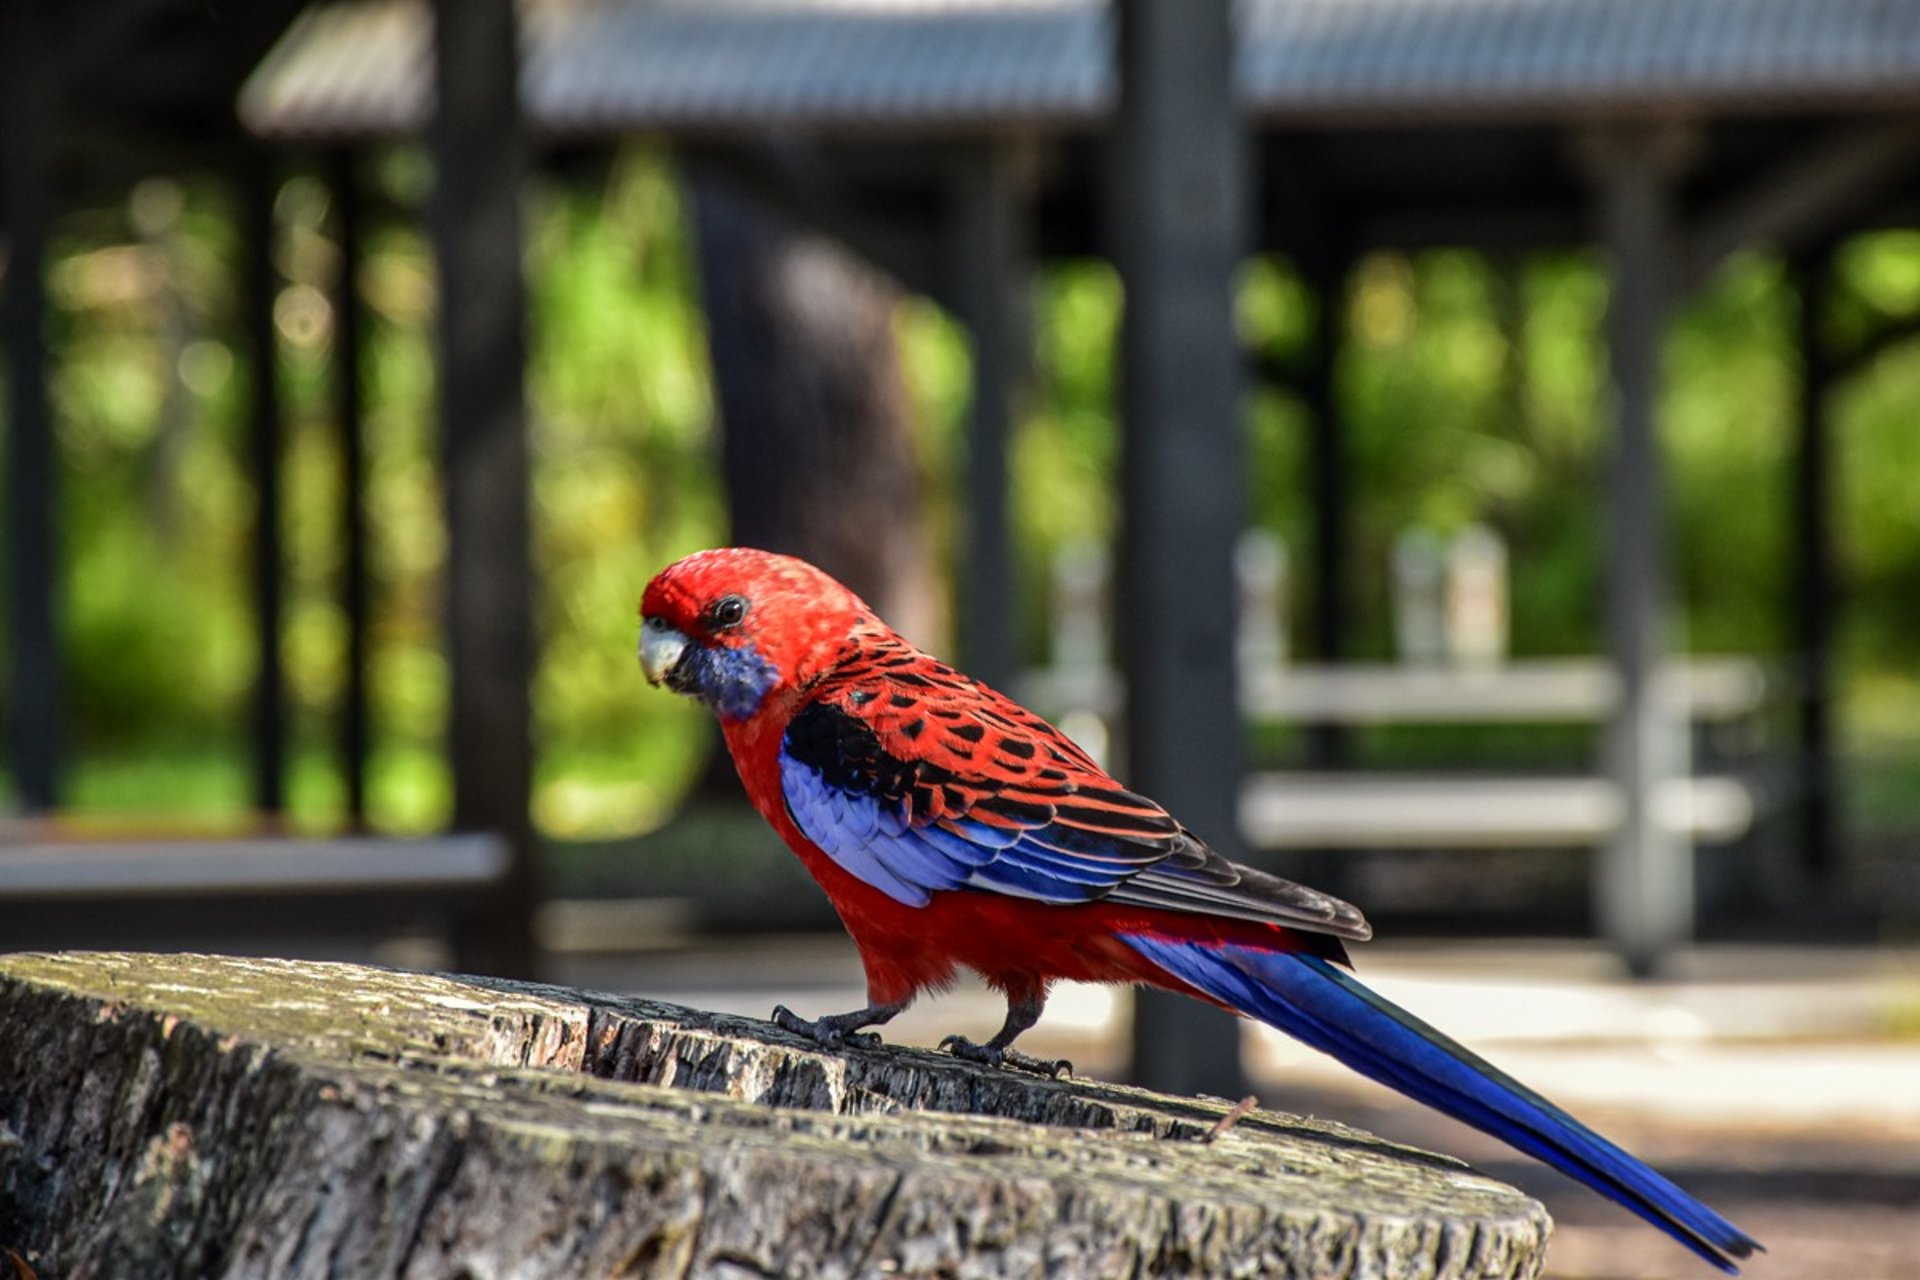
(1772, 1060)
(1473, 390)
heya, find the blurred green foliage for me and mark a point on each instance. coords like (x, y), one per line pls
(1473, 388)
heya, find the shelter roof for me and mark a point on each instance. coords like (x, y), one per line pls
(355, 68)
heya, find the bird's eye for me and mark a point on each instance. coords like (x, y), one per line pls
(727, 611)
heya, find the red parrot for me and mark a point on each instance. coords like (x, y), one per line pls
(954, 829)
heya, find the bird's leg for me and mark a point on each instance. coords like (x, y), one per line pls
(835, 1029)
(1022, 1013)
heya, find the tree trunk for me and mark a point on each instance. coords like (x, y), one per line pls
(819, 449)
(197, 1116)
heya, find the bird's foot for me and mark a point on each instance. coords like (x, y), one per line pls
(830, 1031)
(989, 1056)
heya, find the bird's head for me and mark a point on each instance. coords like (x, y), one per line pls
(732, 625)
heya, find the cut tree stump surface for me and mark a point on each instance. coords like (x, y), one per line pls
(199, 1116)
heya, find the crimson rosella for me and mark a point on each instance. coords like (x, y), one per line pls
(954, 829)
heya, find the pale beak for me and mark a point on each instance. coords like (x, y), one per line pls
(661, 648)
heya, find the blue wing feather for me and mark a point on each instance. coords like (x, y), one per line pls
(898, 865)
(907, 861)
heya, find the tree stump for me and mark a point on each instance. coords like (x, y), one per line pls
(201, 1116)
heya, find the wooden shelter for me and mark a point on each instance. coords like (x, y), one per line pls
(955, 142)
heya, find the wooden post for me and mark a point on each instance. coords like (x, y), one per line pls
(477, 148)
(355, 724)
(1645, 892)
(804, 353)
(1331, 470)
(1181, 168)
(1328, 745)
(1816, 585)
(258, 184)
(35, 703)
(990, 283)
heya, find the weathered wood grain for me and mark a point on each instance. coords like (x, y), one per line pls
(202, 1116)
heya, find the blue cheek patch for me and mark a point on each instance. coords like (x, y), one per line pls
(731, 681)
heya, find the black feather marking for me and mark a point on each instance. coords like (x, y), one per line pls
(1018, 748)
(1021, 813)
(1117, 796)
(844, 750)
(932, 775)
(1107, 845)
(1199, 880)
(1124, 821)
(970, 732)
(902, 701)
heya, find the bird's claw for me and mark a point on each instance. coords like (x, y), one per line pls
(988, 1056)
(829, 1032)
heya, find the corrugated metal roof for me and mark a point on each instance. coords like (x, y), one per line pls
(360, 67)
(345, 70)
(676, 65)
(596, 66)
(1312, 58)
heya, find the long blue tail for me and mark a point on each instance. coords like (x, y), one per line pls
(1315, 1002)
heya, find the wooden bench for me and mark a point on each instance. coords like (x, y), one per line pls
(1370, 809)
(63, 888)
(1580, 690)
(1376, 810)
